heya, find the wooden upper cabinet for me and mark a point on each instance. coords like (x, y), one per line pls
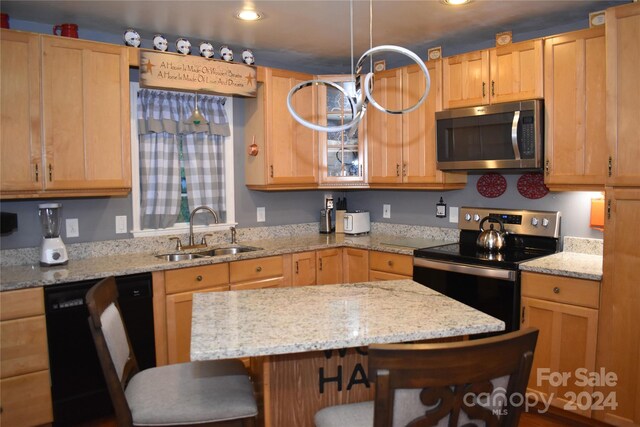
(401, 148)
(85, 88)
(574, 91)
(65, 117)
(384, 131)
(464, 80)
(287, 155)
(516, 72)
(623, 94)
(20, 163)
(502, 74)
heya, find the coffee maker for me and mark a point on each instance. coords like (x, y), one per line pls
(326, 225)
(52, 249)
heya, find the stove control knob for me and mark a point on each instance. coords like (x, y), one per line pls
(545, 222)
(534, 221)
(467, 217)
(476, 218)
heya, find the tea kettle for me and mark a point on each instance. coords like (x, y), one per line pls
(491, 240)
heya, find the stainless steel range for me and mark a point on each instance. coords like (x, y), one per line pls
(489, 280)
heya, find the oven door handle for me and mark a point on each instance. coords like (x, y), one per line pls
(493, 273)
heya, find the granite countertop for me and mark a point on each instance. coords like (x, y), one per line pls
(307, 318)
(570, 264)
(32, 275)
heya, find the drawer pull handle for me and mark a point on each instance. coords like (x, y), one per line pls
(390, 263)
(258, 269)
(556, 290)
(199, 278)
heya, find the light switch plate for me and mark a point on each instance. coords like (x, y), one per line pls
(453, 214)
(121, 224)
(72, 227)
(260, 215)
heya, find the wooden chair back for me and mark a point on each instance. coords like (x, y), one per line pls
(450, 376)
(103, 296)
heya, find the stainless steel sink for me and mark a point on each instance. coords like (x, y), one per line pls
(178, 257)
(229, 250)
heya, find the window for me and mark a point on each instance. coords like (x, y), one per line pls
(186, 155)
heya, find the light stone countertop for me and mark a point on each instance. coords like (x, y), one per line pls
(569, 264)
(32, 275)
(308, 318)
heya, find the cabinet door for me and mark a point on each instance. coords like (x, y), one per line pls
(329, 266)
(574, 91)
(618, 334)
(26, 400)
(464, 80)
(85, 89)
(566, 343)
(179, 309)
(304, 268)
(516, 72)
(341, 153)
(623, 94)
(384, 131)
(355, 265)
(292, 148)
(20, 134)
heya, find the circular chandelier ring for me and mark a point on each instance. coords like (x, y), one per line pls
(357, 111)
(368, 84)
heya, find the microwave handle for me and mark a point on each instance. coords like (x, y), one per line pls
(514, 134)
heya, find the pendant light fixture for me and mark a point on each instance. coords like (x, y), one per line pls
(196, 117)
(358, 104)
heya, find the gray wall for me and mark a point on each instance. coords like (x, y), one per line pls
(97, 215)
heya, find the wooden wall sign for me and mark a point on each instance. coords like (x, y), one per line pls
(163, 70)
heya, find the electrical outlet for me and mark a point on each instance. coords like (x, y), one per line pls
(260, 215)
(121, 224)
(72, 227)
(453, 214)
(386, 211)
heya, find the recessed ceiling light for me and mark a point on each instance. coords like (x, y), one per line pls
(455, 2)
(248, 15)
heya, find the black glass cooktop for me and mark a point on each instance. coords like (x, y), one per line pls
(517, 250)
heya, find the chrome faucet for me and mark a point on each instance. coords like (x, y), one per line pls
(234, 237)
(193, 212)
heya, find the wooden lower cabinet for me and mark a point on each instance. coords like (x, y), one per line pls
(25, 386)
(389, 266)
(565, 310)
(329, 266)
(355, 265)
(304, 269)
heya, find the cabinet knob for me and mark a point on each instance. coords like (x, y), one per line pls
(258, 269)
(556, 290)
(199, 278)
(390, 263)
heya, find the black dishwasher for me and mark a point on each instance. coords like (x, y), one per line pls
(78, 389)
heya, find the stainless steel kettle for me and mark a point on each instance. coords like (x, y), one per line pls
(491, 240)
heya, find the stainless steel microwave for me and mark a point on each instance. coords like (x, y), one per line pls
(500, 136)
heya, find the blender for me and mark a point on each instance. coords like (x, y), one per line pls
(52, 250)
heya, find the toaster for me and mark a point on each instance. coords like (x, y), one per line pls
(357, 222)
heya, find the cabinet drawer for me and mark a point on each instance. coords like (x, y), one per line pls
(256, 269)
(560, 289)
(391, 263)
(21, 303)
(26, 400)
(194, 278)
(275, 282)
(375, 276)
(24, 346)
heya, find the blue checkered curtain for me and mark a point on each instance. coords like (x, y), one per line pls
(162, 124)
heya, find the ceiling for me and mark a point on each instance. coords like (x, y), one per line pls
(309, 35)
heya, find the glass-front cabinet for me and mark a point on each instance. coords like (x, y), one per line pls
(342, 159)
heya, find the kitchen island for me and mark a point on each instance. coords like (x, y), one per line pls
(308, 344)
